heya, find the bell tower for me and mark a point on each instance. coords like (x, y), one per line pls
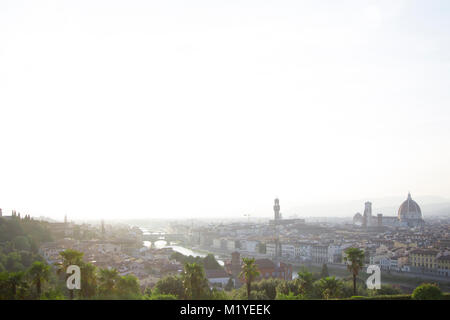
(276, 209)
(367, 214)
(277, 218)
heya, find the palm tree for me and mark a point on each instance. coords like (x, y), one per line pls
(330, 287)
(305, 282)
(354, 258)
(194, 281)
(249, 273)
(15, 280)
(39, 273)
(108, 279)
(69, 257)
(88, 280)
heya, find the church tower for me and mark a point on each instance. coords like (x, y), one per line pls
(276, 210)
(367, 216)
(277, 217)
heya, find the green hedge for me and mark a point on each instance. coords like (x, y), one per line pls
(446, 296)
(384, 297)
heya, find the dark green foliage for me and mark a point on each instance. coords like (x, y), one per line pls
(22, 243)
(238, 294)
(170, 285)
(354, 258)
(53, 294)
(249, 273)
(287, 287)
(361, 288)
(289, 296)
(258, 295)
(14, 262)
(268, 287)
(230, 285)
(13, 285)
(18, 260)
(39, 273)
(305, 283)
(128, 288)
(88, 280)
(427, 291)
(112, 286)
(330, 287)
(210, 262)
(383, 297)
(35, 232)
(218, 295)
(19, 241)
(194, 282)
(384, 290)
(107, 280)
(158, 296)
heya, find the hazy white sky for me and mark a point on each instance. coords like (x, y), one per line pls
(115, 109)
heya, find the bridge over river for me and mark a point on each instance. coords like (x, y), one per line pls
(169, 237)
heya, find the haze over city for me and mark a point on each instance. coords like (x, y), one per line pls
(181, 109)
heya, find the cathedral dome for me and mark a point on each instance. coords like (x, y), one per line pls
(358, 218)
(409, 210)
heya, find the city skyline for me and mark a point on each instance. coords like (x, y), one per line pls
(198, 109)
(434, 206)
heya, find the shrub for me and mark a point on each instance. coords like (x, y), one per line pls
(290, 296)
(383, 297)
(170, 285)
(268, 287)
(427, 291)
(53, 294)
(258, 295)
(218, 295)
(385, 290)
(162, 297)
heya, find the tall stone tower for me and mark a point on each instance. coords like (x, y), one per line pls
(367, 216)
(277, 217)
(276, 210)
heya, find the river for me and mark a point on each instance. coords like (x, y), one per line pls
(185, 251)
